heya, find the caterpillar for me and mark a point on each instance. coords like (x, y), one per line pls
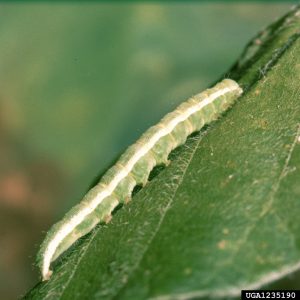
(133, 168)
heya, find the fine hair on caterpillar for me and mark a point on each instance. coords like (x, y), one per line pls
(133, 168)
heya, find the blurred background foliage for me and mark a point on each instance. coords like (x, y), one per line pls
(80, 82)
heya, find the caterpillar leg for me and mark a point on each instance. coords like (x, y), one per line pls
(107, 218)
(127, 199)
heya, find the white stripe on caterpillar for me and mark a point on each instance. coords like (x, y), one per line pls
(67, 231)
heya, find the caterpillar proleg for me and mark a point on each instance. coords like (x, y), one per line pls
(133, 168)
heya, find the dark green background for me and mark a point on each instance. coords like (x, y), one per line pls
(80, 82)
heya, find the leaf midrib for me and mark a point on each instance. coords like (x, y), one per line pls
(159, 224)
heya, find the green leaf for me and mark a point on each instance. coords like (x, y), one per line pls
(224, 215)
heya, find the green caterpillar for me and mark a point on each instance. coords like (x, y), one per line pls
(133, 168)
